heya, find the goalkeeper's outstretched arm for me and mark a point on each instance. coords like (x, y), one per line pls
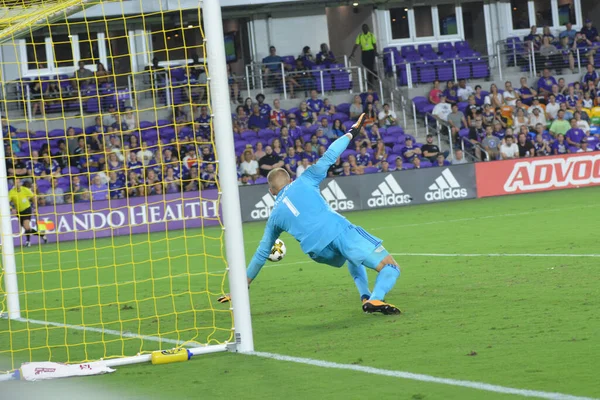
(318, 172)
(262, 252)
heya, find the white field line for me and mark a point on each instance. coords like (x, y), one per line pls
(75, 260)
(422, 378)
(492, 255)
(332, 365)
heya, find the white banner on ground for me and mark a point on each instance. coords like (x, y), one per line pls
(36, 371)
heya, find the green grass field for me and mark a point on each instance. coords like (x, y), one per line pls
(529, 321)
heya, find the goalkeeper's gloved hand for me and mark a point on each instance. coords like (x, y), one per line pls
(224, 299)
(355, 129)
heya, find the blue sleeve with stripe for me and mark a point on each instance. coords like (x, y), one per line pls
(264, 249)
(316, 173)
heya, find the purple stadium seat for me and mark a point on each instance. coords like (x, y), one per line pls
(163, 122)
(426, 72)
(445, 71)
(292, 110)
(341, 116)
(392, 158)
(446, 47)
(371, 170)
(463, 69)
(397, 148)
(347, 153)
(388, 139)
(260, 180)
(480, 68)
(246, 135)
(425, 164)
(70, 170)
(408, 50)
(341, 80)
(146, 124)
(407, 166)
(343, 108)
(425, 49)
(348, 124)
(394, 131)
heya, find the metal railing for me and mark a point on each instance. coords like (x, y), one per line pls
(285, 79)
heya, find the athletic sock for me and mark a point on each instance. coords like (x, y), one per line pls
(385, 281)
(359, 274)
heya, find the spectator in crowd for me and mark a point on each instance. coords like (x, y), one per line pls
(209, 177)
(325, 56)
(546, 82)
(440, 161)
(368, 45)
(509, 150)
(370, 116)
(278, 149)
(581, 123)
(487, 116)
(479, 97)
(55, 195)
(36, 95)
(569, 33)
(451, 93)
(547, 34)
(265, 109)
(82, 76)
(346, 171)
(257, 121)
(116, 186)
(380, 153)
(272, 65)
(584, 147)
(560, 126)
(541, 146)
(269, 161)
(285, 138)
(102, 76)
(354, 167)
(51, 167)
(574, 135)
(277, 115)
(430, 150)
(494, 98)
(356, 108)
(552, 108)
(234, 87)
(458, 158)
(410, 152)
(457, 121)
(240, 120)
(291, 162)
(472, 114)
(533, 38)
(510, 95)
(336, 130)
(328, 107)
(571, 98)
(590, 32)
(491, 144)
(307, 57)
(568, 114)
(304, 115)
(363, 158)
(585, 47)
(248, 106)
(536, 118)
(294, 130)
(533, 106)
(315, 105)
(111, 118)
(442, 109)
(384, 166)
(304, 78)
(464, 91)
(520, 119)
(549, 55)
(498, 130)
(526, 148)
(435, 93)
(387, 117)
(98, 189)
(527, 94)
(335, 169)
(591, 75)
(244, 180)
(129, 119)
(302, 167)
(560, 146)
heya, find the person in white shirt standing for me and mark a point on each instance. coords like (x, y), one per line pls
(442, 109)
(464, 91)
(509, 149)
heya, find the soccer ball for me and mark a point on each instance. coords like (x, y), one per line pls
(277, 251)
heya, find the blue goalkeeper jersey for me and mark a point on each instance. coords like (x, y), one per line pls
(301, 211)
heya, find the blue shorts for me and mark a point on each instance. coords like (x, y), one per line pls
(355, 245)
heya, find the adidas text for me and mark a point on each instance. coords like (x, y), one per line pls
(260, 213)
(446, 194)
(341, 205)
(393, 200)
(336, 198)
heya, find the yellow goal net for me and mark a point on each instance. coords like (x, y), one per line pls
(113, 208)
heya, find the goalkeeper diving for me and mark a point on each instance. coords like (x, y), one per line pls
(324, 235)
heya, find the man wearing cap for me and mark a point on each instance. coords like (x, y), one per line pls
(584, 146)
(535, 118)
(590, 32)
(430, 150)
(368, 46)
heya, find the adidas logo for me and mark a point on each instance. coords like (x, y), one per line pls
(263, 208)
(336, 198)
(446, 187)
(388, 193)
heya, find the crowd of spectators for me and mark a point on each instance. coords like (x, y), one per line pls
(549, 117)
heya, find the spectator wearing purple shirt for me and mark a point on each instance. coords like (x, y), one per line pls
(410, 152)
(291, 162)
(560, 98)
(294, 129)
(546, 82)
(451, 93)
(590, 75)
(363, 158)
(285, 138)
(309, 153)
(325, 56)
(560, 146)
(571, 99)
(265, 109)
(203, 121)
(575, 135)
(321, 138)
(590, 32)
(99, 190)
(257, 121)
(209, 177)
(314, 104)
